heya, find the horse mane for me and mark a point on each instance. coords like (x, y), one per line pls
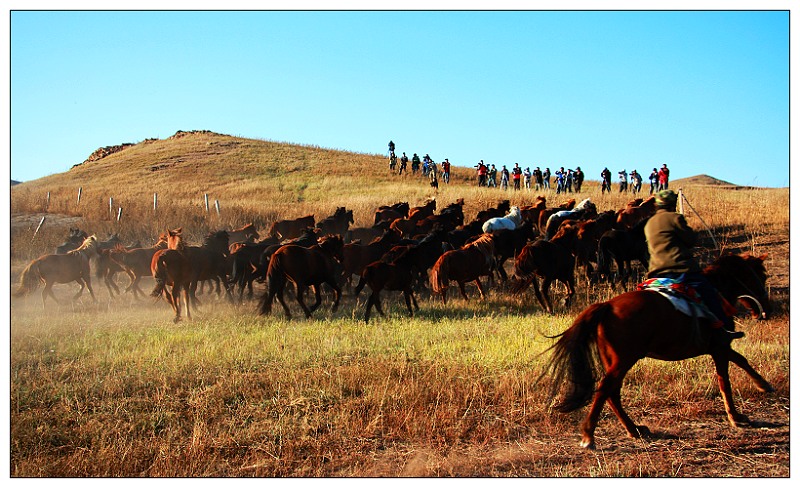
(87, 244)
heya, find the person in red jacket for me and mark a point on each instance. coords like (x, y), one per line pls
(446, 170)
(516, 174)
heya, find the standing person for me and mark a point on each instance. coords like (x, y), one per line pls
(504, 178)
(605, 177)
(570, 178)
(527, 176)
(663, 178)
(670, 241)
(482, 169)
(578, 179)
(403, 164)
(492, 177)
(654, 181)
(636, 182)
(414, 164)
(546, 178)
(433, 174)
(537, 178)
(446, 170)
(391, 147)
(516, 174)
(623, 181)
(392, 161)
(561, 180)
(426, 164)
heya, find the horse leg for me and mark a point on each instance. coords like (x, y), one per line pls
(538, 294)
(408, 294)
(480, 288)
(739, 360)
(317, 297)
(735, 418)
(461, 289)
(80, 291)
(48, 291)
(607, 391)
(570, 282)
(88, 281)
(546, 293)
(337, 293)
(300, 291)
(186, 300)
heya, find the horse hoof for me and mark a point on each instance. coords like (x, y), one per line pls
(588, 444)
(739, 421)
(642, 431)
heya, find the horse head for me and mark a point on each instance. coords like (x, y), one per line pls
(742, 277)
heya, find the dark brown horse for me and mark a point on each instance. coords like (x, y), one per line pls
(338, 223)
(171, 268)
(289, 229)
(641, 324)
(247, 233)
(422, 211)
(136, 262)
(545, 213)
(464, 265)
(389, 213)
(304, 267)
(246, 262)
(500, 210)
(357, 256)
(59, 268)
(550, 260)
(393, 276)
(210, 262)
(74, 240)
(621, 247)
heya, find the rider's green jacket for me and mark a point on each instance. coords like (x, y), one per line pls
(670, 241)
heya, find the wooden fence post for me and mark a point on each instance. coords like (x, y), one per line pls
(80, 190)
(155, 201)
(205, 197)
(47, 205)
(37, 228)
(111, 206)
(216, 205)
(119, 214)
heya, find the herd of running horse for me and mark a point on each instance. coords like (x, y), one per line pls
(409, 248)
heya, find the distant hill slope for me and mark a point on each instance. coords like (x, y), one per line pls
(701, 180)
(229, 168)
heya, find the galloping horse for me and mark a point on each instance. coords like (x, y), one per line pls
(468, 263)
(136, 262)
(640, 324)
(582, 211)
(247, 233)
(289, 229)
(388, 213)
(629, 216)
(551, 260)
(59, 268)
(304, 267)
(622, 247)
(393, 276)
(171, 267)
(422, 211)
(210, 262)
(502, 208)
(338, 223)
(74, 241)
(510, 221)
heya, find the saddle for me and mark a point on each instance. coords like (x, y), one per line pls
(685, 299)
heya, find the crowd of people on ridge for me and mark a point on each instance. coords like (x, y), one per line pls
(566, 180)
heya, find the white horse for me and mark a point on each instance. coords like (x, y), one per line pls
(557, 218)
(511, 220)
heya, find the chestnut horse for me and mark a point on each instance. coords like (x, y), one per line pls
(550, 260)
(304, 267)
(171, 267)
(393, 276)
(289, 229)
(247, 233)
(136, 262)
(641, 324)
(59, 268)
(468, 263)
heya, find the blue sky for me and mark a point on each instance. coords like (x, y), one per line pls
(706, 92)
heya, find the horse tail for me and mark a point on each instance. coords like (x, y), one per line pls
(575, 360)
(28, 280)
(439, 273)
(275, 281)
(160, 275)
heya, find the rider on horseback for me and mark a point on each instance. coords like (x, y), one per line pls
(670, 241)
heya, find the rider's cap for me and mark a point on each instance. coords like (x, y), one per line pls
(665, 198)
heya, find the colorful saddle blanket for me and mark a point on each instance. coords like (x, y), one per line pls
(683, 297)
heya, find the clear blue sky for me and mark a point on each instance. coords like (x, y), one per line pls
(704, 92)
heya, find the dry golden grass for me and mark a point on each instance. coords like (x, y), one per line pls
(115, 389)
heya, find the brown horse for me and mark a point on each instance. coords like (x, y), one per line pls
(629, 216)
(171, 267)
(290, 229)
(550, 260)
(210, 262)
(393, 276)
(59, 268)
(468, 263)
(74, 241)
(546, 213)
(338, 223)
(388, 213)
(247, 233)
(357, 256)
(641, 324)
(136, 262)
(422, 211)
(304, 267)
